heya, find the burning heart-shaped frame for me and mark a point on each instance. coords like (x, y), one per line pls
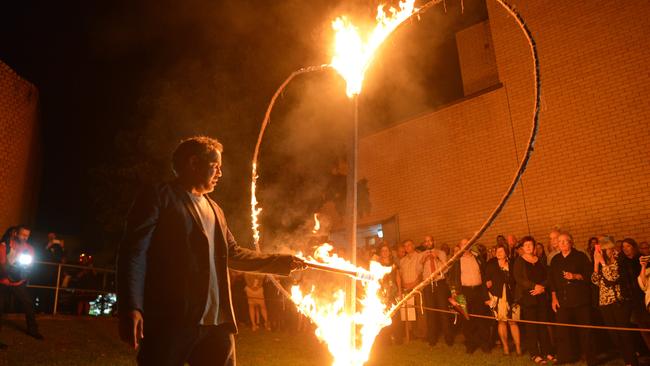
(504, 199)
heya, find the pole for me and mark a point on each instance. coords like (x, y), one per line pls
(56, 292)
(352, 209)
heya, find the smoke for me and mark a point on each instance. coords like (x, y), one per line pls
(201, 67)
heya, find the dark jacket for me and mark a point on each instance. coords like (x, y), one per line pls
(571, 293)
(527, 275)
(163, 265)
(499, 277)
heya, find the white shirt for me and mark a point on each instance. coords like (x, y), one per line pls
(209, 222)
(470, 273)
(439, 261)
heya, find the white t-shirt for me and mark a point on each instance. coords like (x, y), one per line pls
(209, 221)
(470, 273)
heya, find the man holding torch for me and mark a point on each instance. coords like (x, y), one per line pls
(173, 285)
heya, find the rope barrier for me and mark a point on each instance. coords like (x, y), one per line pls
(602, 327)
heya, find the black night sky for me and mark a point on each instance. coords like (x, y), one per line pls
(121, 82)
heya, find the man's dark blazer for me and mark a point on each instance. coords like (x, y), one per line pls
(163, 267)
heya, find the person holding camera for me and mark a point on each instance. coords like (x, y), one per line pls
(644, 283)
(613, 296)
(16, 255)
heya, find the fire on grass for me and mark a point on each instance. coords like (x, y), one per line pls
(332, 318)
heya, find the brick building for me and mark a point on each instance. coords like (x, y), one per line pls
(443, 172)
(19, 148)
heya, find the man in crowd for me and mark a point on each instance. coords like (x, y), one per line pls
(410, 269)
(427, 244)
(570, 285)
(466, 277)
(552, 244)
(173, 282)
(16, 256)
(512, 243)
(436, 295)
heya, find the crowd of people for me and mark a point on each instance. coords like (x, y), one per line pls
(523, 289)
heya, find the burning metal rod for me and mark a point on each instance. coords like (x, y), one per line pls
(360, 275)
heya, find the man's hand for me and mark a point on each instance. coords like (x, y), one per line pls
(539, 289)
(297, 264)
(131, 328)
(5, 281)
(572, 276)
(555, 304)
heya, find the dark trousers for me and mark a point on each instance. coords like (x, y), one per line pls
(476, 330)
(618, 315)
(574, 315)
(436, 295)
(198, 346)
(536, 338)
(22, 296)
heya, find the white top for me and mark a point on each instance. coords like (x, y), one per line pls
(209, 221)
(470, 273)
(438, 262)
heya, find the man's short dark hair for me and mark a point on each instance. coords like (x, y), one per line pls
(22, 227)
(201, 146)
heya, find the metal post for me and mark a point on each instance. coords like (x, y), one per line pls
(56, 292)
(352, 209)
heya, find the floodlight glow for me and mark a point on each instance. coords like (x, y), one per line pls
(25, 259)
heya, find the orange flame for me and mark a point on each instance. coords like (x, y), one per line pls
(352, 55)
(255, 211)
(332, 318)
(316, 224)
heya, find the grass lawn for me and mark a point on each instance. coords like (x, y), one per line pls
(89, 341)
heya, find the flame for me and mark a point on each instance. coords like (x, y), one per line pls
(333, 319)
(316, 224)
(352, 55)
(255, 211)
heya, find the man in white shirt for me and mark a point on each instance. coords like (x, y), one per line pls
(173, 266)
(436, 295)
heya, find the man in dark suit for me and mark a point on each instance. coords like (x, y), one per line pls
(173, 266)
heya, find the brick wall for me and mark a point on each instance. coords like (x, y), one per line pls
(18, 148)
(442, 173)
(476, 56)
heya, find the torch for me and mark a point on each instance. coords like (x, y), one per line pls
(358, 274)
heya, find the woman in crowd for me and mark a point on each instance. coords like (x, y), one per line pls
(390, 289)
(500, 284)
(591, 247)
(644, 284)
(613, 297)
(256, 302)
(530, 292)
(540, 252)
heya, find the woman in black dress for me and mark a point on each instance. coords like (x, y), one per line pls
(530, 292)
(500, 284)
